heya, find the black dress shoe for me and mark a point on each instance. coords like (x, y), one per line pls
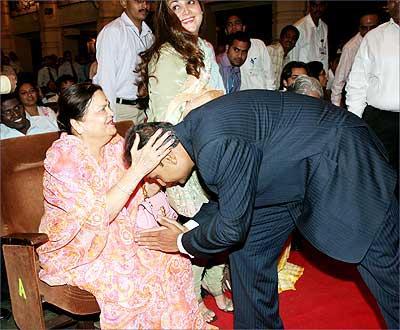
(4, 314)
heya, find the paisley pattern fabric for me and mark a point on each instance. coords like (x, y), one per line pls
(136, 288)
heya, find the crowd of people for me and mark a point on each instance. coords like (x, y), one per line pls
(147, 223)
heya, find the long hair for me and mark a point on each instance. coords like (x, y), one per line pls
(168, 28)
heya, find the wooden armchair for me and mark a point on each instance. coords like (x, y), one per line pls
(21, 210)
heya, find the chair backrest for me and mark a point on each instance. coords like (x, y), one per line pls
(22, 180)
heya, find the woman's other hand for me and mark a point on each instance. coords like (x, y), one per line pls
(147, 158)
(208, 96)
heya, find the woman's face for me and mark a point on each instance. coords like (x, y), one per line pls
(189, 13)
(97, 123)
(28, 95)
(323, 79)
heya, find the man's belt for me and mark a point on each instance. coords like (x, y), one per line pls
(126, 102)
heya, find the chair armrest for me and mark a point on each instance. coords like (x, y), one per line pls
(32, 239)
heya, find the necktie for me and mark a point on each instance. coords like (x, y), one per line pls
(51, 77)
(73, 71)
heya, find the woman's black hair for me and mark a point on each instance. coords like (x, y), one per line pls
(145, 132)
(73, 104)
(314, 68)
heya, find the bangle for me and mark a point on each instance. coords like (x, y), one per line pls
(123, 189)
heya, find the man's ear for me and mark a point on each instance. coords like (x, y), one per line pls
(285, 83)
(123, 3)
(244, 28)
(171, 158)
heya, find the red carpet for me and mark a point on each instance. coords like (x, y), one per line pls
(329, 295)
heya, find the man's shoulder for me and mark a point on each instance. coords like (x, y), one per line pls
(301, 22)
(114, 27)
(353, 42)
(376, 34)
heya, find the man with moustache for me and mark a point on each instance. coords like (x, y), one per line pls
(257, 71)
(231, 61)
(374, 82)
(117, 51)
(367, 23)
(278, 51)
(312, 44)
(15, 121)
(275, 161)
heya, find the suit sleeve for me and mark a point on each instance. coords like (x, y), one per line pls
(230, 168)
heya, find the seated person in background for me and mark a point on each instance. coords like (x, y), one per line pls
(64, 82)
(231, 61)
(290, 72)
(15, 121)
(307, 86)
(28, 96)
(94, 205)
(316, 69)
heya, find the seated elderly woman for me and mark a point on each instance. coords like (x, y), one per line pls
(94, 204)
(307, 86)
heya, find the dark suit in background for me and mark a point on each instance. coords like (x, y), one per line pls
(279, 160)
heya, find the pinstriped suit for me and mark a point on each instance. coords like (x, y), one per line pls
(278, 160)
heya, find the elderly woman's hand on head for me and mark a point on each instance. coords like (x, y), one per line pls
(147, 158)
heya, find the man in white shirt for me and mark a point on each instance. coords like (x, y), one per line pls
(279, 50)
(367, 23)
(118, 47)
(374, 82)
(257, 72)
(47, 73)
(313, 41)
(15, 121)
(72, 68)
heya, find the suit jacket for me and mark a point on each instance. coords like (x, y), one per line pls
(257, 149)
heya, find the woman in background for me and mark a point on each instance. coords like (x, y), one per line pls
(28, 94)
(178, 74)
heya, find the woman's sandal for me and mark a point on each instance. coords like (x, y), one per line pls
(228, 302)
(208, 314)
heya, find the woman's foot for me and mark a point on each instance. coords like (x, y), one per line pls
(207, 314)
(224, 303)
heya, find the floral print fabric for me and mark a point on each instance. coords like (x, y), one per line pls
(135, 288)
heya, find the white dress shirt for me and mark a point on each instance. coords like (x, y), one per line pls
(313, 42)
(257, 72)
(44, 76)
(343, 69)
(66, 69)
(374, 77)
(39, 125)
(118, 46)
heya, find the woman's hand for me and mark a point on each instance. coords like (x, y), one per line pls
(146, 159)
(208, 96)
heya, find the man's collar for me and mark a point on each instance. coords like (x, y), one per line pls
(312, 21)
(128, 22)
(391, 21)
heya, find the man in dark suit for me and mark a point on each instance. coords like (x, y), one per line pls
(275, 161)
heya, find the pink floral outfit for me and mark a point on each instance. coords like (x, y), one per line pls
(136, 288)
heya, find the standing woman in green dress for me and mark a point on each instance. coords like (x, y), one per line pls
(178, 74)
